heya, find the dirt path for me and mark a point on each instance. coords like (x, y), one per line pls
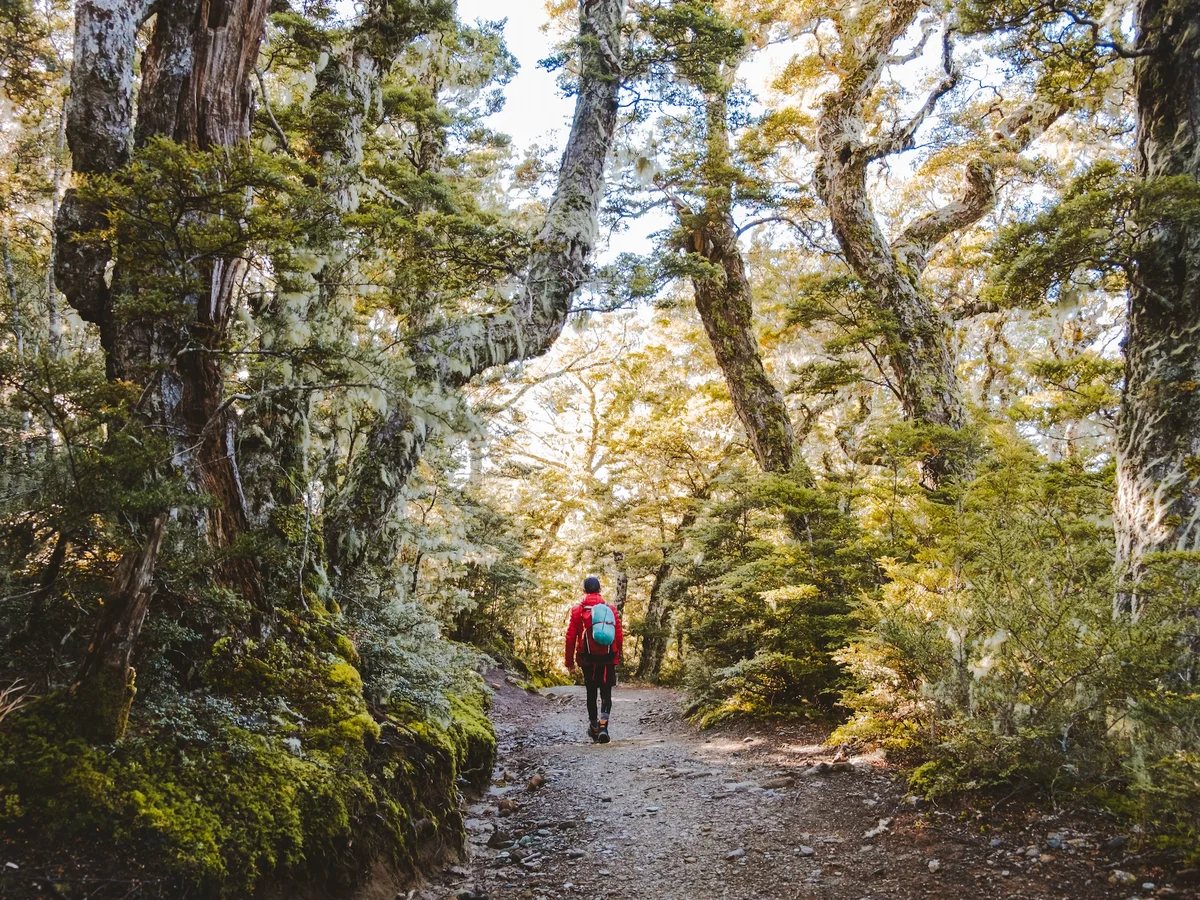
(665, 811)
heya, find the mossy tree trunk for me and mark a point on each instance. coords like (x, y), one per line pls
(359, 526)
(916, 333)
(1157, 505)
(621, 591)
(725, 302)
(195, 90)
(664, 592)
(104, 685)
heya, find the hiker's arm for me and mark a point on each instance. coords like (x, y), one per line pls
(572, 631)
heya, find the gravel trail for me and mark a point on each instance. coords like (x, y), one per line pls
(666, 811)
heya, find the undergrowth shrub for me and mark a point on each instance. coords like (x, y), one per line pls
(775, 565)
(993, 655)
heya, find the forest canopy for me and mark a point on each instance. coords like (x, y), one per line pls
(851, 344)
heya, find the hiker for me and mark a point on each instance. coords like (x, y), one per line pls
(594, 642)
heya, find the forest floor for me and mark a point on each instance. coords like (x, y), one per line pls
(667, 811)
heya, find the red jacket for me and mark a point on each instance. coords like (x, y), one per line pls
(576, 630)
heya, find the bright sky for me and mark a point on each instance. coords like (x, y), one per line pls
(534, 111)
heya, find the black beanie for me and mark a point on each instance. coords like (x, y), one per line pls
(591, 584)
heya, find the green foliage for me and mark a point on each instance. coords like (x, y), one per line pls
(690, 38)
(1086, 239)
(993, 654)
(773, 566)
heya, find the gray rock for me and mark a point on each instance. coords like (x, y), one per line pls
(806, 850)
(735, 854)
(575, 854)
(499, 840)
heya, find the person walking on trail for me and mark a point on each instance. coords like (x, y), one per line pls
(594, 643)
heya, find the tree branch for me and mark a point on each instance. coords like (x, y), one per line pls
(904, 139)
(1013, 135)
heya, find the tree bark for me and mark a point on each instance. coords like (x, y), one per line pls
(725, 304)
(1157, 504)
(916, 333)
(663, 596)
(360, 522)
(195, 89)
(104, 686)
(621, 591)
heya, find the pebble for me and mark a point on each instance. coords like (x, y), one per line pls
(781, 781)
(1122, 877)
(575, 854)
(805, 850)
(933, 865)
(651, 809)
(735, 854)
(536, 782)
(1148, 885)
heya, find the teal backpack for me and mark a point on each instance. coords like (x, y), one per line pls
(604, 626)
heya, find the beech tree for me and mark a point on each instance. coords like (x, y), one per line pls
(694, 43)
(1157, 505)
(164, 331)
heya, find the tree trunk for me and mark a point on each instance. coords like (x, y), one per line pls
(916, 344)
(360, 525)
(654, 627)
(1157, 504)
(915, 332)
(37, 604)
(621, 592)
(195, 89)
(104, 686)
(726, 306)
(663, 594)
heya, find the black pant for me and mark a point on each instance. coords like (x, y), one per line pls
(604, 689)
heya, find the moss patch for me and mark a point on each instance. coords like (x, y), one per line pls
(321, 798)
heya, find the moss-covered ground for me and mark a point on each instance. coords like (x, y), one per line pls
(307, 786)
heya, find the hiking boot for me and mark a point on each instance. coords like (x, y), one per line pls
(602, 732)
(594, 732)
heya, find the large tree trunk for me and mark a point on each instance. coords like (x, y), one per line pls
(726, 306)
(621, 591)
(360, 524)
(916, 333)
(195, 90)
(1157, 506)
(916, 342)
